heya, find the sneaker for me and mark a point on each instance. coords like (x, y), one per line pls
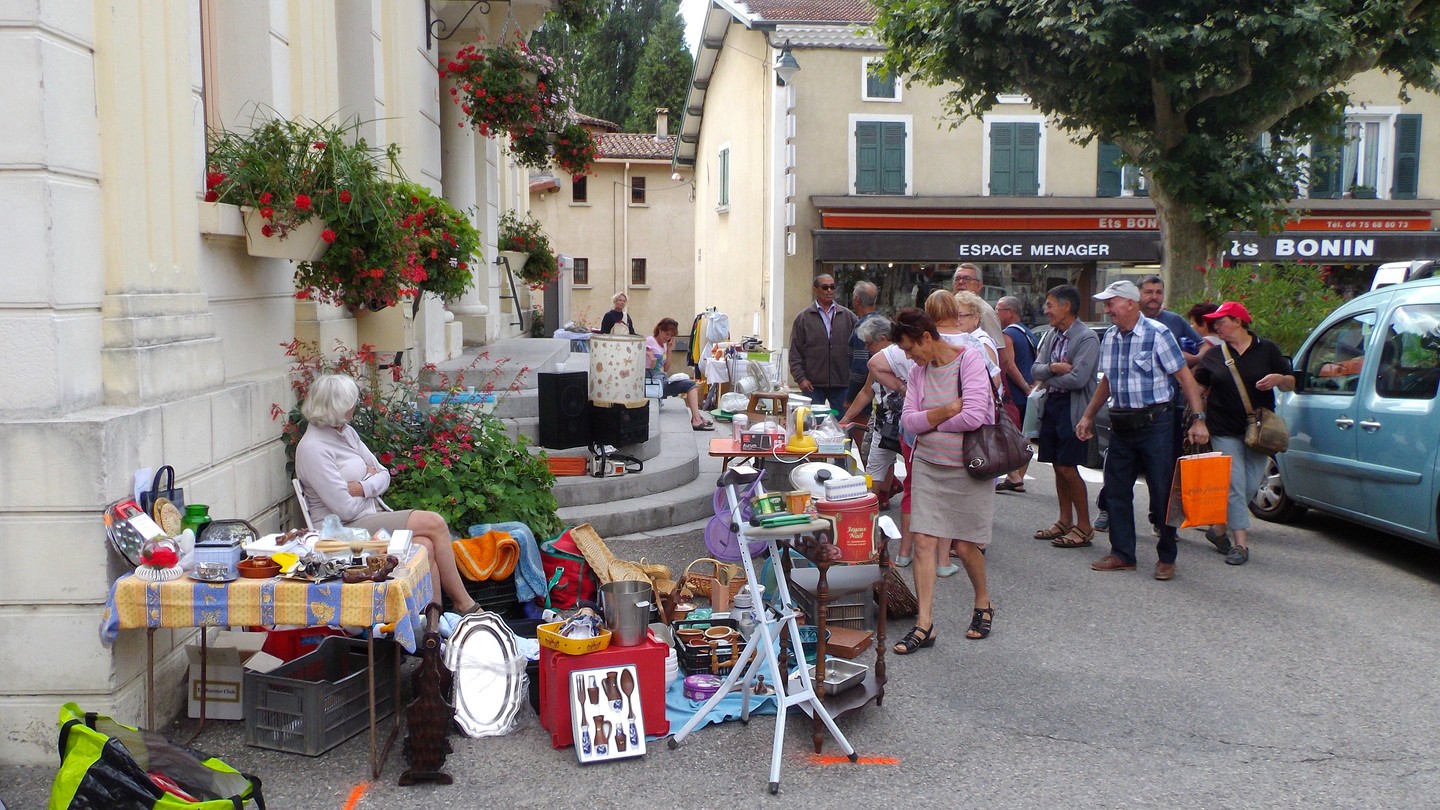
(1102, 523)
(1221, 542)
(902, 562)
(1238, 555)
(1154, 529)
(947, 570)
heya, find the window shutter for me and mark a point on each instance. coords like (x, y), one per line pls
(1325, 171)
(867, 157)
(724, 177)
(1107, 171)
(892, 157)
(1002, 159)
(1405, 185)
(1027, 160)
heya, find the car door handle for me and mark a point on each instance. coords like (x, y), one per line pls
(1345, 423)
(1369, 425)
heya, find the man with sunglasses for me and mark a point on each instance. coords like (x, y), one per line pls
(820, 347)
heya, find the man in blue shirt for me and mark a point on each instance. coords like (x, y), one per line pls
(1152, 304)
(1018, 375)
(1141, 365)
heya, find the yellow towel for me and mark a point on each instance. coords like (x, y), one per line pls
(507, 555)
(475, 556)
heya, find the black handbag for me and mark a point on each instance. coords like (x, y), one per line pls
(993, 450)
(163, 487)
(887, 420)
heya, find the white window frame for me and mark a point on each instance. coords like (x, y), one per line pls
(865, 63)
(722, 180)
(1385, 153)
(909, 122)
(1011, 98)
(985, 149)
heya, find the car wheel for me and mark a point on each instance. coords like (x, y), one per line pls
(1270, 502)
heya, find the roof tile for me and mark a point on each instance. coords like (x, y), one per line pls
(812, 10)
(636, 146)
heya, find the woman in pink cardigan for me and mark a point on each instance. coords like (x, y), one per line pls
(948, 394)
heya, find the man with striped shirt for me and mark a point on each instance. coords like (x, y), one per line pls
(1141, 364)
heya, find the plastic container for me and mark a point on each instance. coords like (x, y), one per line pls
(855, 611)
(495, 595)
(221, 550)
(854, 525)
(287, 645)
(556, 670)
(550, 639)
(319, 700)
(702, 657)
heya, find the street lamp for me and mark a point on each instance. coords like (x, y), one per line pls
(786, 67)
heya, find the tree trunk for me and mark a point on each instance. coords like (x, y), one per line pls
(1188, 246)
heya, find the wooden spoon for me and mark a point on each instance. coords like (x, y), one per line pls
(627, 685)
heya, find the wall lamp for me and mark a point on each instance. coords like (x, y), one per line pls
(786, 67)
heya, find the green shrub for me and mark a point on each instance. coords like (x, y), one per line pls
(1286, 301)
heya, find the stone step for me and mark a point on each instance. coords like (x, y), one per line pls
(647, 513)
(675, 464)
(505, 365)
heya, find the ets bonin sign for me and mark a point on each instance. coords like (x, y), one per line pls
(1333, 248)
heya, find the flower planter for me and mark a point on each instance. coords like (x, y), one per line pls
(302, 244)
(1362, 193)
(516, 260)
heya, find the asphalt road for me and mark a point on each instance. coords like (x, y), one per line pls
(1303, 679)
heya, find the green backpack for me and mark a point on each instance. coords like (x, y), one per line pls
(104, 764)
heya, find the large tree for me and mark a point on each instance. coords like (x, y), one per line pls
(1185, 88)
(663, 76)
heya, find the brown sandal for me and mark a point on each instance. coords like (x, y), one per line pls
(1075, 538)
(1058, 529)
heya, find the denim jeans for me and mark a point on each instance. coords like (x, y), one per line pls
(1149, 451)
(833, 398)
(1247, 472)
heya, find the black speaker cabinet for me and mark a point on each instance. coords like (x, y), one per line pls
(619, 425)
(564, 410)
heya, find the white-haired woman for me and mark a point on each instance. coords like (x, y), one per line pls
(617, 316)
(342, 477)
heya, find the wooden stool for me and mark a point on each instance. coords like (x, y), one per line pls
(778, 400)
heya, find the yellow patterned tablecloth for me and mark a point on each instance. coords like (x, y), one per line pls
(135, 603)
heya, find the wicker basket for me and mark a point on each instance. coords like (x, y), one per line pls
(719, 586)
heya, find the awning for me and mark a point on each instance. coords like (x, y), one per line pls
(1009, 247)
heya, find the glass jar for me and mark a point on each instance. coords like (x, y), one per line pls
(197, 517)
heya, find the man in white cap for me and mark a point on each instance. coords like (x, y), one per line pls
(1141, 364)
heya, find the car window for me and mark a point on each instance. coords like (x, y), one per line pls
(1333, 363)
(1410, 355)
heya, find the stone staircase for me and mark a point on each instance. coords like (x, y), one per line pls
(674, 489)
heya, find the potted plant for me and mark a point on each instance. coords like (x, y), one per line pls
(1362, 192)
(575, 149)
(295, 181)
(524, 244)
(442, 241)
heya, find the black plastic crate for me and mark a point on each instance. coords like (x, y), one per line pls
(320, 699)
(495, 595)
(696, 660)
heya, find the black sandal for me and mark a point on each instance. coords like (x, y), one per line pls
(980, 623)
(916, 639)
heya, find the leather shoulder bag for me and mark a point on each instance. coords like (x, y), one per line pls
(1265, 431)
(993, 450)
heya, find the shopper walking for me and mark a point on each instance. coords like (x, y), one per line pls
(820, 347)
(1263, 369)
(947, 395)
(1066, 368)
(1142, 366)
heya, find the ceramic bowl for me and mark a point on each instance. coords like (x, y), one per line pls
(258, 568)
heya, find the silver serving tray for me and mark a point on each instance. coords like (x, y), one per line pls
(489, 689)
(840, 675)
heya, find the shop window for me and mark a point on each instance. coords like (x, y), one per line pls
(1410, 356)
(1014, 157)
(637, 272)
(580, 189)
(1333, 364)
(877, 84)
(723, 180)
(881, 157)
(582, 272)
(1113, 178)
(637, 191)
(1379, 156)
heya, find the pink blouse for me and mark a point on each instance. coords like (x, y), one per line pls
(934, 386)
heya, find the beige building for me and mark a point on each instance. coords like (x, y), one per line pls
(135, 328)
(847, 171)
(628, 227)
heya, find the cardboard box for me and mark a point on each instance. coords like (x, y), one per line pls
(228, 655)
(758, 442)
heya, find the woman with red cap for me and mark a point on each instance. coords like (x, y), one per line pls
(1262, 368)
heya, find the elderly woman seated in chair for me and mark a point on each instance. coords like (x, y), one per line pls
(342, 477)
(657, 365)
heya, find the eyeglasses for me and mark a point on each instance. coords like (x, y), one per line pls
(965, 278)
(968, 315)
(824, 286)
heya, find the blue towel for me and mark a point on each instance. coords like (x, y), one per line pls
(529, 575)
(679, 709)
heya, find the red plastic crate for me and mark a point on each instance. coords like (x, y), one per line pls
(287, 645)
(555, 677)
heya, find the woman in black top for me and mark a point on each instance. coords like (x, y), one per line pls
(617, 316)
(1263, 368)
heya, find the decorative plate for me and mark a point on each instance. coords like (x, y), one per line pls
(168, 516)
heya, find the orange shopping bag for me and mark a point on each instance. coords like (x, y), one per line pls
(1199, 491)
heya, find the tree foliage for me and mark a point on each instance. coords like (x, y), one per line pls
(632, 60)
(1185, 88)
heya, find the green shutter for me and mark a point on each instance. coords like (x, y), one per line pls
(877, 83)
(724, 177)
(1405, 185)
(1325, 169)
(892, 157)
(867, 157)
(1002, 159)
(1107, 171)
(1027, 160)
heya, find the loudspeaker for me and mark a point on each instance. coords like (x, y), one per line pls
(619, 425)
(564, 410)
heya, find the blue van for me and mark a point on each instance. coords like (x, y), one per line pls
(1363, 418)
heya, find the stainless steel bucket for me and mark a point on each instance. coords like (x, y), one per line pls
(627, 610)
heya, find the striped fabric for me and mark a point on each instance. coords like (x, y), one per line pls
(1140, 363)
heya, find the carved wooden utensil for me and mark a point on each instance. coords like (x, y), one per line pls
(627, 685)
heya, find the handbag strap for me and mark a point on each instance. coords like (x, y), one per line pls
(1239, 383)
(994, 395)
(169, 473)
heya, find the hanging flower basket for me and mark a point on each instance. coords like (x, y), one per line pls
(303, 243)
(515, 260)
(524, 236)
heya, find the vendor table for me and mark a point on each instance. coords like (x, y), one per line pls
(727, 450)
(391, 607)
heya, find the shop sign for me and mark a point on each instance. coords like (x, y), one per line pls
(1335, 248)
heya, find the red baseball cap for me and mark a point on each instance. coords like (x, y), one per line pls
(1230, 309)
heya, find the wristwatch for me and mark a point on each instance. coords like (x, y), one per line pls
(1198, 417)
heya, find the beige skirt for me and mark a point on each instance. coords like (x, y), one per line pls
(389, 521)
(947, 502)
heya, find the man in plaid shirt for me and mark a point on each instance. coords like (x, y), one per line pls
(1141, 364)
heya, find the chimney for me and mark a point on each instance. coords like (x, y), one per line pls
(662, 122)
